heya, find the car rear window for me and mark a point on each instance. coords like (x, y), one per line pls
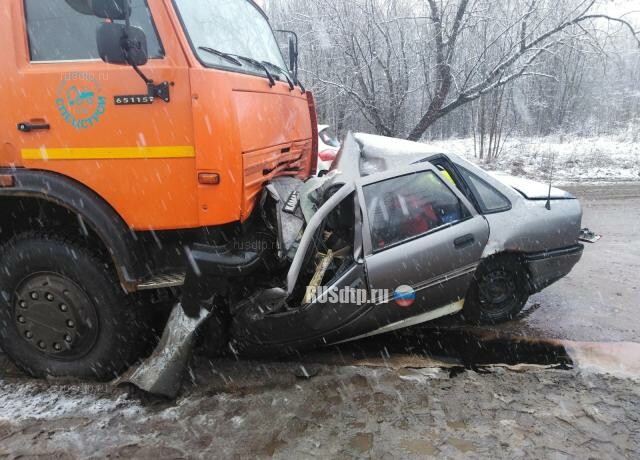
(59, 31)
(408, 206)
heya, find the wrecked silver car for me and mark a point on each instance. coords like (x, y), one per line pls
(394, 235)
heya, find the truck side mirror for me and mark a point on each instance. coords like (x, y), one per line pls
(293, 56)
(121, 44)
(117, 10)
(292, 51)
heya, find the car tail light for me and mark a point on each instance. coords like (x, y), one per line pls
(328, 155)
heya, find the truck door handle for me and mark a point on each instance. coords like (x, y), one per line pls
(27, 127)
(463, 241)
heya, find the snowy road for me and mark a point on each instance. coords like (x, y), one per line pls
(382, 397)
(343, 412)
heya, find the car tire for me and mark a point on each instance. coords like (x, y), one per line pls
(498, 292)
(63, 312)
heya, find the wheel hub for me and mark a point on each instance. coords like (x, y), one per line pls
(496, 287)
(55, 316)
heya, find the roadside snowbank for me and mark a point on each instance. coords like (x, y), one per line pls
(598, 159)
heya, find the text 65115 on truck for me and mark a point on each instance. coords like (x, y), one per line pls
(130, 131)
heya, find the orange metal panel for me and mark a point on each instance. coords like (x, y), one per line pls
(148, 192)
(235, 123)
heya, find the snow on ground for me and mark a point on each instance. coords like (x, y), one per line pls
(598, 159)
(36, 400)
(343, 412)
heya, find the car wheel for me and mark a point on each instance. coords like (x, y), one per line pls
(63, 312)
(498, 292)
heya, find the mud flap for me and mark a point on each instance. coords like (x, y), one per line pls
(162, 373)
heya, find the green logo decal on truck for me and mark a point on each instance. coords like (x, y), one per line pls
(79, 101)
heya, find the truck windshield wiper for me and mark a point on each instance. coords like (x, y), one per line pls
(281, 71)
(221, 54)
(236, 58)
(272, 81)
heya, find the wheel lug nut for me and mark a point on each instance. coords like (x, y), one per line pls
(63, 307)
(42, 345)
(57, 347)
(28, 334)
(21, 319)
(34, 295)
(67, 338)
(23, 304)
(70, 323)
(49, 297)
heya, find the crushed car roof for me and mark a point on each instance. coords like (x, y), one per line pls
(364, 154)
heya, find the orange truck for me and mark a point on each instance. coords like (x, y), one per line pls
(130, 130)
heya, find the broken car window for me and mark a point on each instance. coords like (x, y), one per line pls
(408, 206)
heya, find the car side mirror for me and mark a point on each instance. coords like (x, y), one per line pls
(117, 10)
(121, 44)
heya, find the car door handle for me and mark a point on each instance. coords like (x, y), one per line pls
(27, 127)
(463, 241)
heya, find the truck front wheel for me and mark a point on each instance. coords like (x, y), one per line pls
(63, 312)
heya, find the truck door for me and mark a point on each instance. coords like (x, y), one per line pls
(78, 116)
(421, 237)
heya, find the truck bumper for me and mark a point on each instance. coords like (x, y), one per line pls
(545, 268)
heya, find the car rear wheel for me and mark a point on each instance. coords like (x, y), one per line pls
(498, 293)
(63, 312)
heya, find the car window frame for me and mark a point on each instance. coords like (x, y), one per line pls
(478, 196)
(312, 227)
(467, 189)
(25, 18)
(399, 172)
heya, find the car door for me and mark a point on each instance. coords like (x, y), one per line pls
(422, 239)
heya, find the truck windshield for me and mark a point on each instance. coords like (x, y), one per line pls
(232, 27)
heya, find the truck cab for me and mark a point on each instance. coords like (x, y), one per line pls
(132, 129)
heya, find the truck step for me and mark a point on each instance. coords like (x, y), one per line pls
(162, 281)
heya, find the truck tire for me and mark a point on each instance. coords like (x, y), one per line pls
(213, 336)
(498, 292)
(63, 312)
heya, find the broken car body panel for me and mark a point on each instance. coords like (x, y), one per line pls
(385, 219)
(437, 263)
